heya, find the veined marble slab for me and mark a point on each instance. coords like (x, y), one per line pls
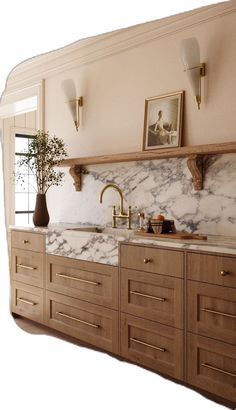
(62, 240)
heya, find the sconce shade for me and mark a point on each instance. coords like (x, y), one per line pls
(190, 56)
(74, 103)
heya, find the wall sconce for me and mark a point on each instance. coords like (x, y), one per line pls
(74, 103)
(190, 55)
(75, 106)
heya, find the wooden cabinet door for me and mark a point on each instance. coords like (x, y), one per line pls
(154, 297)
(85, 321)
(212, 311)
(212, 366)
(27, 267)
(27, 301)
(152, 345)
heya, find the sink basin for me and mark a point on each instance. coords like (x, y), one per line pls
(103, 230)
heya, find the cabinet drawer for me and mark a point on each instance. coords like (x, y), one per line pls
(218, 270)
(212, 311)
(27, 267)
(154, 260)
(27, 301)
(154, 297)
(90, 323)
(98, 285)
(212, 366)
(28, 241)
(152, 345)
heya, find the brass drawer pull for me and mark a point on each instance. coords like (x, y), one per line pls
(133, 292)
(224, 272)
(161, 349)
(26, 301)
(25, 241)
(19, 265)
(215, 312)
(78, 320)
(147, 260)
(218, 370)
(90, 282)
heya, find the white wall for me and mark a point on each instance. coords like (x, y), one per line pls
(114, 90)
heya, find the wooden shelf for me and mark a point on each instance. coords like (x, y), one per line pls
(194, 154)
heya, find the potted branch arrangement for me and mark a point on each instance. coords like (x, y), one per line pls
(43, 155)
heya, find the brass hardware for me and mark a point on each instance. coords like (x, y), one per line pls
(77, 320)
(224, 272)
(216, 312)
(160, 349)
(218, 370)
(25, 241)
(90, 282)
(78, 103)
(133, 292)
(19, 265)
(26, 301)
(121, 213)
(147, 260)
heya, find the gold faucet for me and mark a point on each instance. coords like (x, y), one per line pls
(121, 214)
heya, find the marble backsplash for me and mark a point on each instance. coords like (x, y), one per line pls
(158, 186)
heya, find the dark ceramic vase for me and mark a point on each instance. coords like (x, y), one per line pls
(41, 216)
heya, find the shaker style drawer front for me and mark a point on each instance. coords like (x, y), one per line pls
(154, 297)
(218, 270)
(152, 260)
(212, 366)
(27, 267)
(87, 322)
(212, 311)
(28, 241)
(63, 276)
(27, 301)
(152, 345)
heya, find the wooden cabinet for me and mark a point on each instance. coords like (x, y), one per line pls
(152, 296)
(211, 323)
(153, 345)
(92, 282)
(88, 322)
(152, 308)
(169, 310)
(27, 274)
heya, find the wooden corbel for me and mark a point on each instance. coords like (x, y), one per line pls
(75, 172)
(194, 163)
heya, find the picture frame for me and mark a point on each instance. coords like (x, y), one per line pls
(163, 121)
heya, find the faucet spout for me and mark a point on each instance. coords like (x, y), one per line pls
(114, 186)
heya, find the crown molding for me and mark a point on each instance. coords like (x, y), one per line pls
(98, 47)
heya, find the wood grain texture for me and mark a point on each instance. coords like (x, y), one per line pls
(68, 314)
(209, 268)
(86, 281)
(208, 149)
(27, 267)
(28, 241)
(27, 301)
(162, 261)
(205, 303)
(139, 290)
(155, 335)
(221, 356)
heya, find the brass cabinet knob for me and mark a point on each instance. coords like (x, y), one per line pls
(25, 241)
(224, 272)
(146, 260)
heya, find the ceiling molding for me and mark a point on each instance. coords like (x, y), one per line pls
(95, 48)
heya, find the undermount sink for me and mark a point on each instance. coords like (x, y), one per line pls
(103, 230)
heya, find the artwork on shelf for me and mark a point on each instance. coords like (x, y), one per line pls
(163, 121)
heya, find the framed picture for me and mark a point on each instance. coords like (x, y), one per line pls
(163, 121)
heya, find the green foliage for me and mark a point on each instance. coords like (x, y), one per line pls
(43, 155)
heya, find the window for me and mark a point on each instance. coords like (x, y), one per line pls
(25, 189)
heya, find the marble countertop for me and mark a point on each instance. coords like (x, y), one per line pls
(102, 247)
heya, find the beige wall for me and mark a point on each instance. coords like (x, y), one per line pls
(115, 87)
